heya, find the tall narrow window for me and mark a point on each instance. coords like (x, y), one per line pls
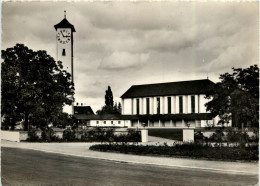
(158, 105)
(147, 106)
(63, 52)
(181, 104)
(137, 107)
(169, 105)
(192, 104)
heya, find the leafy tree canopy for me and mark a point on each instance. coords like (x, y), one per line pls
(34, 87)
(110, 107)
(109, 97)
(236, 97)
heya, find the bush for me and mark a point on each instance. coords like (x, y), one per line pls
(69, 135)
(239, 137)
(131, 136)
(193, 150)
(48, 135)
(32, 136)
(217, 136)
(199, 137)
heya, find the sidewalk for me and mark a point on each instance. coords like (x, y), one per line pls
(82, 150)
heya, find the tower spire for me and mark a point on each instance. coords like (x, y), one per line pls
(65, 14)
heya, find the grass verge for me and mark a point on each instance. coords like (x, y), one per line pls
(173, 134)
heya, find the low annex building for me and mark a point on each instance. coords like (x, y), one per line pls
(163, 105)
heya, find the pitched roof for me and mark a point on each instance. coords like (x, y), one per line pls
(83, 110)
(173, 88)
(65, 24)
(194, 116)
(105, 117)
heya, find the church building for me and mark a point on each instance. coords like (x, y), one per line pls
(163, 105)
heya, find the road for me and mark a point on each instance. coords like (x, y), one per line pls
(28, 167)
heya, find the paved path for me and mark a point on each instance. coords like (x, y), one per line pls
(31, 168)
(82, 150)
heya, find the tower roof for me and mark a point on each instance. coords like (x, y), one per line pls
(65, 24)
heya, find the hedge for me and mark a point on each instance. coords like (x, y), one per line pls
(198, 151)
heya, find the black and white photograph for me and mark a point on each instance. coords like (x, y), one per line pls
(129, 93)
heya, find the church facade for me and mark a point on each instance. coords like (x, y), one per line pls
(164, 105)
(175, 104)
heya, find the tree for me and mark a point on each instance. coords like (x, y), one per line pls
(109, 107)
(109, 97)
(236, 97)
(34, 86)
(119, 107)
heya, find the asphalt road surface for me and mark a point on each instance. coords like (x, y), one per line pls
(28, 167)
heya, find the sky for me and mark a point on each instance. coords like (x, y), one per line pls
(120, 44)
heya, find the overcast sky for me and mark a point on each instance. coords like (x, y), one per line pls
(127, 43)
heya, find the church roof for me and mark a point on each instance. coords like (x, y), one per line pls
(156, 117)
(65, 24)
(83, 110)
(167, 89)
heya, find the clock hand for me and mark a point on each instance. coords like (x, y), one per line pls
(62, 33)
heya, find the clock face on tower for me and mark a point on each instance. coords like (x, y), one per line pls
(64, 36)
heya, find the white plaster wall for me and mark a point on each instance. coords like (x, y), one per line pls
(144, 135)
(192, 124)
(66, 60)
(165, 105)
(156, 123)
(14, 135)
(203, 123)
(144, 106)
(127, 123)
(127, 107)
(168, 124)
(173, 106)
(141, 105)
(196, 104)
(161, 105)
(154, 105)
(123, 123)
(179, 124)
(188, 135)
(134, 106)
(185, 104)
(177, 105)
(202, 102)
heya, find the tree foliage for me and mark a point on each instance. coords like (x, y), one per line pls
(236, 97)
(109, 97)
(34, 87)
(110, 107)
(116, 109)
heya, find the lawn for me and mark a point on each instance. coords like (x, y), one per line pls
(174, 134)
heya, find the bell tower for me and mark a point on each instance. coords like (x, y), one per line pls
(64, 47)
